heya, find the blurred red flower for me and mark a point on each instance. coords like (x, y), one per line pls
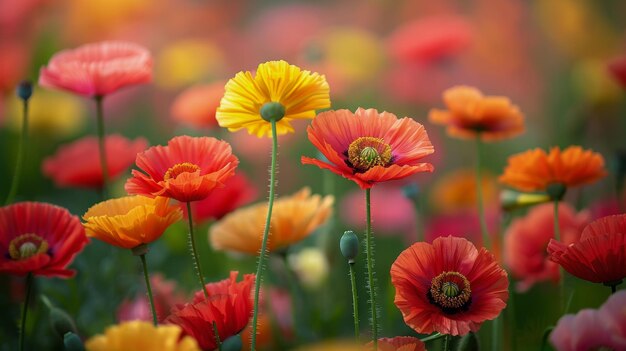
(617, 68)
(77, 164)
(39, 238)
(237, 191)
(403, 343)
(187, 169)
(448, 287)
(229, 306)
(165, 297)
(98, 69)
(600, 254)
(369, 147)
(430, 39)
(526, 239)
(196, 106)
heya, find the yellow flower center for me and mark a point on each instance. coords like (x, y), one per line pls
(367, 152)
(450, 291)
(179, 169)
(26, 246)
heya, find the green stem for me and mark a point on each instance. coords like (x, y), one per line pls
(557, 228)
(370, 268)
(266, 231)
(194, 251)
(20, 156)
(355, 303)
(495, 334)
(433, 337)
(296, 294)
(479, 195)
(102, 146)
(446, 343)
(217, 336)
(29, 284)
(149, 288)
(557, 236)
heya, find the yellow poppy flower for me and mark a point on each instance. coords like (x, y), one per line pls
(140, 336)
(299, 93)
(294, 218)
(130, 221)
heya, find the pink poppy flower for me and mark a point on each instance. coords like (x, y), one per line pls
(98, 69)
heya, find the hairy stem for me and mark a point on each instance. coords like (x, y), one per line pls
(194, 251)
(355, 303)
(146, 275)
(370, 268)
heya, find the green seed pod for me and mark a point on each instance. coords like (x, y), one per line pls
(349, 246)
(233, 343)
(24, 90)
(272, 111)
(72, 342)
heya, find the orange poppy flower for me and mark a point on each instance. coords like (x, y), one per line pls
(187, 169)
(294, 218)
(448, 286)
(369, 147)
(471, 114)
(130, 221)
(196, 106)
(534, 170)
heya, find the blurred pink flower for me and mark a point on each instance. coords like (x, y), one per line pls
(593, 329)
(237, 191)
(165, 297)
(463, 224)
(98, 69)
(617, 68)
(13, 63)
(526, 240)
(196, 106)
(430, 39)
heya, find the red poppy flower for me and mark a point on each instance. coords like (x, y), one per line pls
(196, 106)
(429, 39)
(399, 343)
(237, 191)
(98, 69)
(369, 147)
(599, 256)
(187, 169)
(617, 68)
(39, 238)
(448, 287)
(229, 306)
(77, 164)
(526, 239)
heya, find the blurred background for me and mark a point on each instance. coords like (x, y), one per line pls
(549, 57)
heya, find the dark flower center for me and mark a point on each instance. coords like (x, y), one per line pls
(179, 169)
(367, 152)
(450, 291)
(26, 246)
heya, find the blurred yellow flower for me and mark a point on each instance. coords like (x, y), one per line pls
(294, 218)
(299, 92)
(457, 191)
(93, 19)
(51, 113)
(187, 62)
(141, 336)
(310, 265)
(594, 82)
(130, 221)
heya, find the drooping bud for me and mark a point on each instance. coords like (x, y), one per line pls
(24, 90)
(72, 342)
(233, 343)
(272, 111)
(349, 245)
(61, 322)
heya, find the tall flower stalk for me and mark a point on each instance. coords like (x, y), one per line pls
(479, 195)
(369, 251)
(29, 286)
(24, 92)
(194, 251)
(102, 145)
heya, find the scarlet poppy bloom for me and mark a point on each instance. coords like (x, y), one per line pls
(600, 254)
(130, 221)
(399, 343)
(471, 115)
(77, 164)
(526, 239)
(293, 219)
(39, 238)
(229, 306)
(430, 39)
(534, 170)
(617, 68)
(187, 169)
(448, 287)
(237, 191)
(98, 69)
(196, 106)
(369, 147)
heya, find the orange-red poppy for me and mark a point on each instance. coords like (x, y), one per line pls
(196, 106)
(187, 169)
(534, 170)
(369, 147)
(39, 238)
(229, 306)
(600, 254)
(448, 286)
(76, 164)
(471, 115)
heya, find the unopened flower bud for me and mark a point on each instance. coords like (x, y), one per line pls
(61, 321)
(512, 200)
(24, 90)
(72, 342)
(349, 246)
(233, 343)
